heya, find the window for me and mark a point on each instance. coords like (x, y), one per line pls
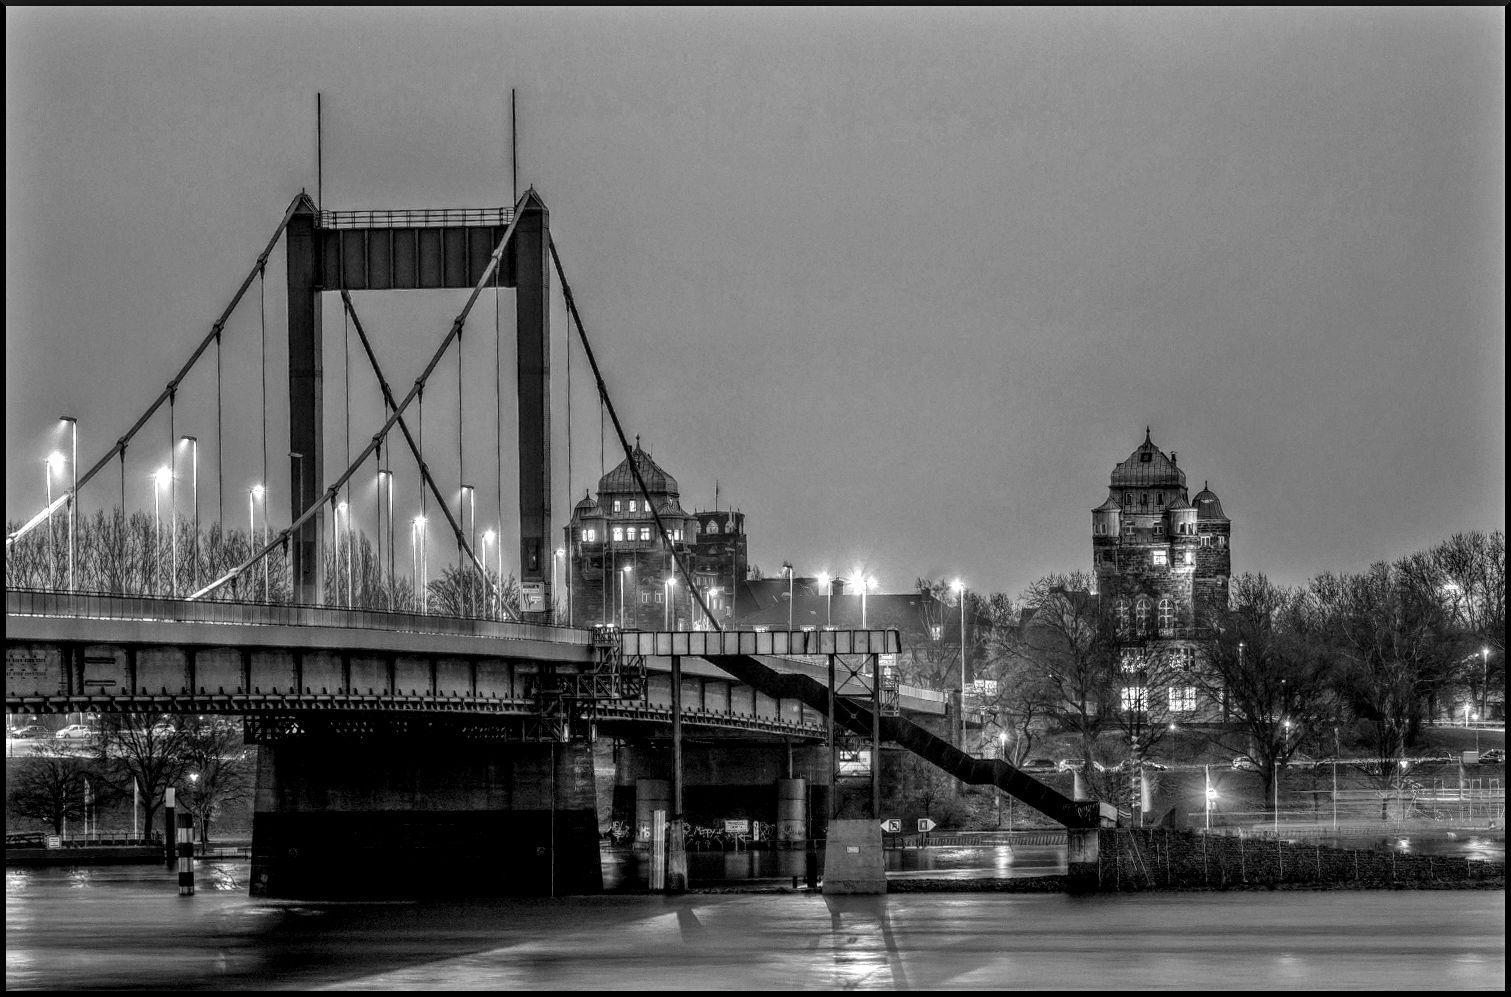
(632, 505)
(645, 598)
(936, 631)
(712, 527)
(645, 534)
(677, 534)
(1185, 658)
(1143, 500)
(1122, 615)
(1135, 699)
(1127, 529)
(1183, 699)
(1161, 558)
(1101, 527)
(616, 506)
(1166, 614)
(1130, 660)
(1127, 501)
(1188, 557)
(1159, 498)
(618, 534)
(1206, 541)
(1141, 615)
(1159, 529)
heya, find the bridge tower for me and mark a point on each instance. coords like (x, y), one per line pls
(424, 249)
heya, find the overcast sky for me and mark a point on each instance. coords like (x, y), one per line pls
(907, 284)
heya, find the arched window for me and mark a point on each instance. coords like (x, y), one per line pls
(1127, 501)
(712, 527)
(618, 534)
(1122, 615)
(1166, 614)
(1141, 615)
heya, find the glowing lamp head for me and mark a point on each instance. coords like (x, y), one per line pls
(487, 536)
(671, 583)
(257, 492)
(162, 476)
(55, 462)
(957, 585)
(341, 508)
(823, 579)
(418, 522)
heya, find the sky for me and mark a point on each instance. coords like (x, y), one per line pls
(905, 283)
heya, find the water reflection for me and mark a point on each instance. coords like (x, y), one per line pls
(627, 869)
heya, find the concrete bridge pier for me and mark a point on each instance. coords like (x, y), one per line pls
(349, 817)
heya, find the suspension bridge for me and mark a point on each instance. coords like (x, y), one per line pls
(403, 719)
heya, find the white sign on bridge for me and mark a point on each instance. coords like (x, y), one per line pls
(925, 825)
(892, 825)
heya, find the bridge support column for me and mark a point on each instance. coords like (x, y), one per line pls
(347, 817)
(1082, 857)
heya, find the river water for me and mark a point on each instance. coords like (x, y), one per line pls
(125, 926)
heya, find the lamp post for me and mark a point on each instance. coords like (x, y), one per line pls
(342, 509)
(53, 462)
(624, 573)
(561, 552)
(1002, 754)
(254, 495)
(824, 583)
(194, 481)
(385, 526)
(487, 539)
(466, 504)
(557, 556)
(417, 553)
(1211, 794)
(73, 493)
(710, 611)
(864, 583)
(959, 588)
(1484, 689)
(787, 567)
(162, 477)
(666, 623)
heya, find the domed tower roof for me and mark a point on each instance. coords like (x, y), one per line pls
(587, 508)
(1207, 505)
(1111, 505)
(621, 480)
(1148, 467)
(1181, 505)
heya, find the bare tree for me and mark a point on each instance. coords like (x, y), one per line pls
(1266, 658)
(133, 748)
(49, 786)
(218, 767)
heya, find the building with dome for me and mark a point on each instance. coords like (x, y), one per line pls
(1161, 561)
(622, 570)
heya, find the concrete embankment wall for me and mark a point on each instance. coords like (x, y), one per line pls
(1160, 858)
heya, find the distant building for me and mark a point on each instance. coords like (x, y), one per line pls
(622, 570)
(1162, 563)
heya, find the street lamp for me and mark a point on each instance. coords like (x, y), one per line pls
(624, 573)
(787, 567)
(73, 494)
(417, 553)
(53, 463)
(666, 622)
(864, 583)
(487, 539)
(194, 452)
(467, 503)
(557, 556)
(1211, 795)
(342, 509)
(162, 477)
(385, 526)
(709, 611)
(253, 496)
(1484, 687)
(823, 583)
(959, 587)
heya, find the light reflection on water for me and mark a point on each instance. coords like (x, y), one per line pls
(626, 869)
(128, 928)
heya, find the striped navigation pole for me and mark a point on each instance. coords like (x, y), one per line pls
(170, 851)
(186, 855)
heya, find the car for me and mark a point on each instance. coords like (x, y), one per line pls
(1038, 765)
(1149, 766)
(1071, 764)
(75, 732)
(1495, 756)
(30, 730)
(1245, 764)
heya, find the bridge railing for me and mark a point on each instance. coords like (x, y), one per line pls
(101, 606)
(417, 218)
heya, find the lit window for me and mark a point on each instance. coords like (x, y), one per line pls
(1166, 614)
(1188, 557)
(618, 534)
(712, 527)
(1122, 612)
(1183, 699)
(632, 505)
(645, 598)
(1185, 658)
(1141, 615)
(677, 535)
(1161, 558)
(1135, 699)
(1130, 660)
(645, 533)
(936, 631)
(616, 505)
(1206, 541)
(1128, 529)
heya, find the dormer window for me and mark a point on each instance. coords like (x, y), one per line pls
(1146, 457)
(712, 527)
(1159, 529)
(617, 506)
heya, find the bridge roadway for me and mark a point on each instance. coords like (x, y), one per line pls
(81, 652)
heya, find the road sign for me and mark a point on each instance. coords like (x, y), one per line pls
(892, 825)
(925, 825)
(737, 826)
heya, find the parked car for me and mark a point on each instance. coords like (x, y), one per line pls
(1071, 764)
(1245, 764)
(30, 730)
(1149, 766)
(75, 732)
(1495, 756)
